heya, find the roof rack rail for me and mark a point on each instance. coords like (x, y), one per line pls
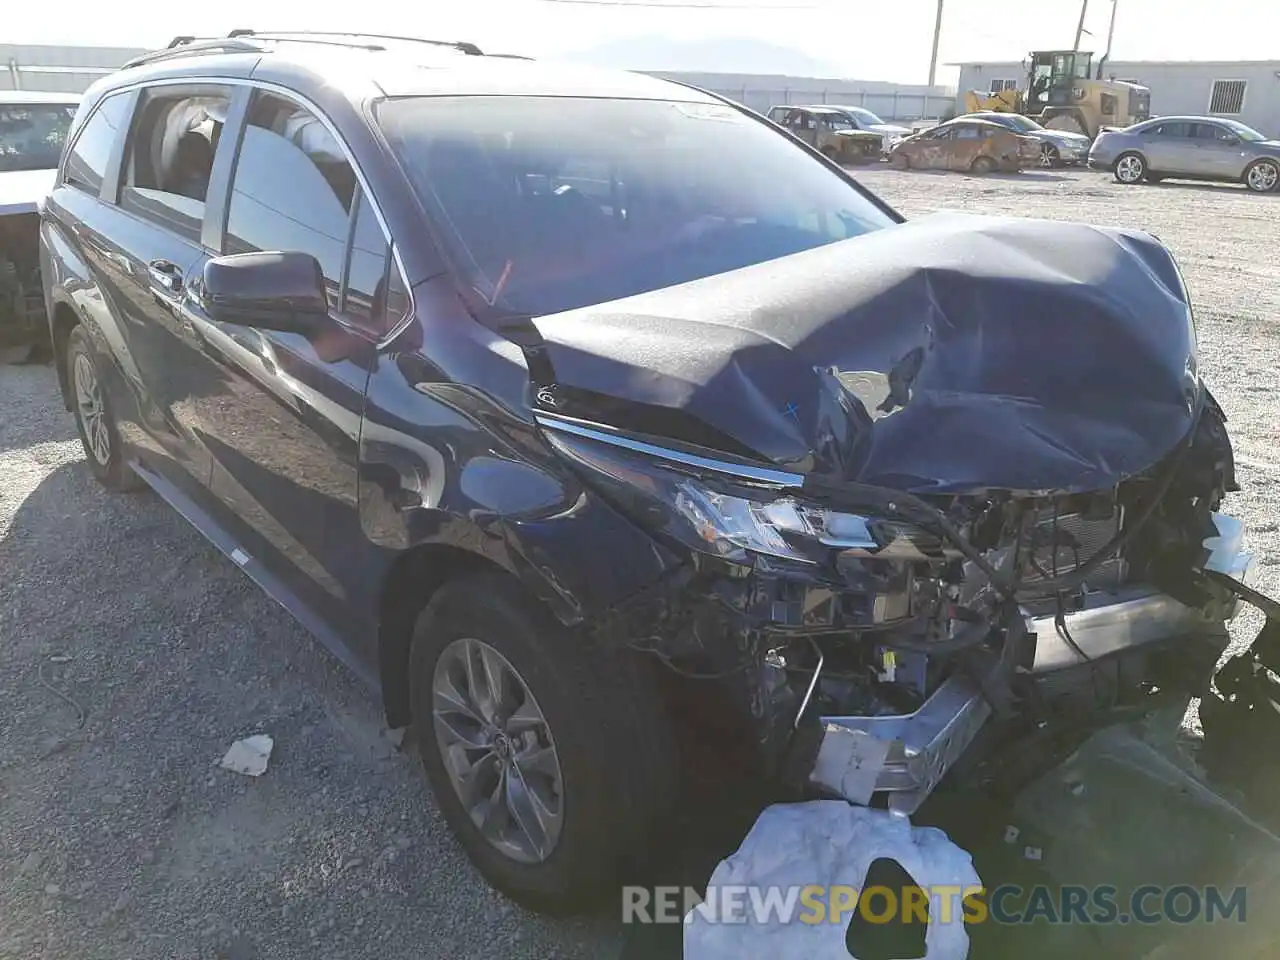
(251, 41)
(186, 46)
(304, 36)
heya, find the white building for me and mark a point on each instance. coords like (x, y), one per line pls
(760, 91)
(1245, 90)
(72, 69)
(57, 69)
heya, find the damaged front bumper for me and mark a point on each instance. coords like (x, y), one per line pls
(905, 756)
(866, 637)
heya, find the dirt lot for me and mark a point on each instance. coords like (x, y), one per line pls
(132, 655)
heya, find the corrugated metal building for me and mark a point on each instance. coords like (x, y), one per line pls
(760, 91)
(57, 69)
(1246, 90)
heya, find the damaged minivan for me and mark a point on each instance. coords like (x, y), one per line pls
(550, 399)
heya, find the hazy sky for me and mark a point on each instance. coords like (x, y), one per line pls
(865, 39)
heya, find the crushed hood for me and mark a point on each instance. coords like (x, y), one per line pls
(948, 354)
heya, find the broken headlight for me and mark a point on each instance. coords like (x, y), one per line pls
(713, 510)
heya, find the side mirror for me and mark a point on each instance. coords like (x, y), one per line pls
(272, 291)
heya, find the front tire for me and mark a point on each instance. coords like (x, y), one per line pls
(982, 166)
(95, 421)
(1049, 156)
(550, 756)
(1130, 168)
(1262, 176)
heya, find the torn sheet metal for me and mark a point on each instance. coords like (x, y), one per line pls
(907, 754)
(945, 354)
(850, 762)
(828, 843)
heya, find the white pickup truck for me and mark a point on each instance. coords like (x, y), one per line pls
(33, 129)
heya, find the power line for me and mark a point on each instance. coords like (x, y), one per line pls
(680, 5)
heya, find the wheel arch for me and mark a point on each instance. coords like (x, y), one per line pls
(1244, 173)
(61, 323)
(414, 578)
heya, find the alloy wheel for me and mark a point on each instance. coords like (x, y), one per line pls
(498, 750)
(1263, 177)
(1048, 155)
(1130, 169)
(89, 408)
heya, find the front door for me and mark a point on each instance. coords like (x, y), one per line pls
(804, 126)
(1219, 152)
(283, 424)
(931, 151)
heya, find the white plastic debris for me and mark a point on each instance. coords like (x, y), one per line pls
(249, 756)
(827, 844)
(1011, 834)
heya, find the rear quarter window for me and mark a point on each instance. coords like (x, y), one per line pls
(87, 161)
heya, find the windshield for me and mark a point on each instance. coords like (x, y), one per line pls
(866, 116)
(32, 134)
(553, 203)
(1244, 132)
(1016, 121)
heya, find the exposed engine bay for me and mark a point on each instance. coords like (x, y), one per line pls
(885, 631)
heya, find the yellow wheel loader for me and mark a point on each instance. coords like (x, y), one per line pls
(1061, 94)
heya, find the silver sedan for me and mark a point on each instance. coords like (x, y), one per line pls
(1058, 148)
(1189, 148)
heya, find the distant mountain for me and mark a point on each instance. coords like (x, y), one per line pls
(718, 55)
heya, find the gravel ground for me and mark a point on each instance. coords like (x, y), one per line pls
(133, 654)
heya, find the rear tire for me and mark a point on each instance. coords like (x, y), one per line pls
(1262, 176)
(605, 783)
(1130, 168)
(95, 421)
(982, 166)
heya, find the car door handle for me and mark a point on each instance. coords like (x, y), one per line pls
(166, 274)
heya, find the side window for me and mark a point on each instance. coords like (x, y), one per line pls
(968, 132)
(87, 161)
(292, 189)
(366, 293)
(170, 156)
(1212, 133)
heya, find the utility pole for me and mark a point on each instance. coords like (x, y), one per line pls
(1111, 32)
(933, 57)
(1084, 8)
